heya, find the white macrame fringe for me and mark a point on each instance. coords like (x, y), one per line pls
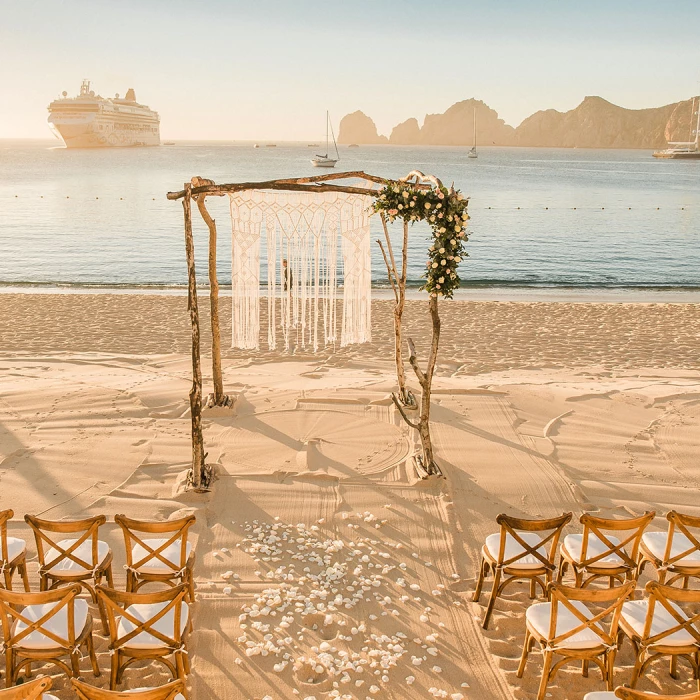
(302, 228)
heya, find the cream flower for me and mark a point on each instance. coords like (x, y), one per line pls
(427, 205)
(435, 265)
(442, 250)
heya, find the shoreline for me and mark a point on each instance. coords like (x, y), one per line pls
(594, 295)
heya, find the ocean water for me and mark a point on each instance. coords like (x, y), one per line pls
(540, 218)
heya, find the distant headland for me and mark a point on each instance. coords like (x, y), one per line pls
(595, 123)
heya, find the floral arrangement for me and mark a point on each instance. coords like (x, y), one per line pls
(446, 212)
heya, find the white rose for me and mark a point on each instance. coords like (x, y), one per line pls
(453, 242)
(435, 264)
(458, 228)
(442, 250)
(443, 229)
(427, 205)
(458, 259)
(441, 280)
(443, 262)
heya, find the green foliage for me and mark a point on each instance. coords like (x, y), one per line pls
(446, 213)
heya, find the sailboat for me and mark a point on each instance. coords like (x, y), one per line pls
(324, 161)
(472, 151)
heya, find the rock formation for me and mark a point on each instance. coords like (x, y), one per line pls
(359, 128)
(595, 123)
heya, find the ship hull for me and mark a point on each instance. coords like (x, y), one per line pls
(84, 136)
(679, 156)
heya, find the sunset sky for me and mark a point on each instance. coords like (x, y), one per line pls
(228, 69)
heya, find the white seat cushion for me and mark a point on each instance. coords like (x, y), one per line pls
(574, 543)
(83, 552)
(15, 547)
(635, 612)
(600, 695)
(179, 696)
(154, 565)
(513, 548)
(48, 696)
(147, 611)
(538, 616)
(655, 542)
(58, 624)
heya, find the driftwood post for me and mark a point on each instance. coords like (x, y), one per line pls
(219, 399)
(398, 284)
(198, 475)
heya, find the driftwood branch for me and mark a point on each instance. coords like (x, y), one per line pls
(317, 183)
(198, 473)
(219, 398)
(399, 405)
(389, 272)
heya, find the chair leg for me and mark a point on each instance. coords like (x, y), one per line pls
(610, 669)
(662, 576)
(584, 668)
(483, 568)
(546, 665)
(93, 657)
(523, 657)
(563, 566)
(7, 573)
(637, 668)
(533, 589)
(492, 598)
(75, 663)
(673, 667)
(22, 568)
(180, 666)
(114, 671)
(110, 577)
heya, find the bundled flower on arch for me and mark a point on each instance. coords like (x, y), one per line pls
(423, 198)
(446, 213)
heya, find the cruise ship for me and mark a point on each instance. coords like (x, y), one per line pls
(91, 121)
(685, 149)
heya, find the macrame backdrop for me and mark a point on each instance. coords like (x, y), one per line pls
(303, 228)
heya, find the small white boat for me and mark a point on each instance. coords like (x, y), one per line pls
(472, 151)
(324, 161)
(256, 145)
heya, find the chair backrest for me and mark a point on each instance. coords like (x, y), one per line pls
(32, 690)
(609, 599)
(138, 532)
(5, 515)
(12, 613)
(48, 533)
(683, 524)
(165, 692)
(630, 694)
(116, 603)
(627, 548)
(669, 597)
(550, 530)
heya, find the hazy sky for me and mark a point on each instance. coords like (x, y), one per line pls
(229, 69)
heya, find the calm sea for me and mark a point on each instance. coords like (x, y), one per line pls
(539, 217)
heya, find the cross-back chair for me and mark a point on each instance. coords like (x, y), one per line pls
(147, 626)
(522, 550)
(158, 552)
(13, 553)
(32, 690)
(630, 694)
(675, 552)
(659, 626)
(598, 553)
(568, 627)
(46, 627)
(172, 691)
(82, 558)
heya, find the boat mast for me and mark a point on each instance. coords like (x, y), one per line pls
(327, 119)
(474, 129)
(697, 127)
(335, 145)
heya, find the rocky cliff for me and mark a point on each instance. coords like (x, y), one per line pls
(359, 128)
(595, 123)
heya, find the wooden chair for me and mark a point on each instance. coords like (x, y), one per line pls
(597, 553)
(33, 690)
(164, 557)
(625, 693)
(147, 626)
(77, 559)
(659, 626)
(46, 627)
(566, 626)
(523, 549)
(171, 691)
(675, 552)
(13, 553)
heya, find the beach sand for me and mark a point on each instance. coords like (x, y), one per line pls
(539, 408)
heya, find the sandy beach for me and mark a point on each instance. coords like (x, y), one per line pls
(539, 408)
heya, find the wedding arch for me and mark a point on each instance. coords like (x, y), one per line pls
(302, 227)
